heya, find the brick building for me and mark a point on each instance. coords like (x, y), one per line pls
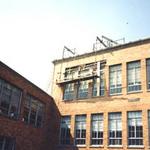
(28, 115)
(104, 98)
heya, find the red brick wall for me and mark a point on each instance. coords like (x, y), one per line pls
(27, 136)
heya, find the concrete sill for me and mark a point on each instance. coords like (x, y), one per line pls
(148, 90)
(80, 146)
(134, 92)
(96, 146)
(136, 147)
(115, 146)
(115, 94)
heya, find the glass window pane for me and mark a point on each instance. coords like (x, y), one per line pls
(115, 129)
(80, 129)
(135, 128)
(134, 76)
(65, 135)
(115, 80)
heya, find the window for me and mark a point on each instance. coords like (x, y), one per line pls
(99, 83)
(134, 79)
(115, 129)
(97, 129)
(149, 125)
(7, 143)
(94, 89)
(65, 135)
(83, 89)
(135, 129)
(33, 111)
(80, 130)
(148, 73)
(115, 79)
(69, 91)
(102, 79)
(10, 97)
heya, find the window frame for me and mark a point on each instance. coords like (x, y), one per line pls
(69, 93)
(13, 89)
(99, 121)
(147, 72)
(98, 88)
(60, 134)
(116, 119)
(81, 91)
(114, 69)
(135, 120)
(133, 85)
(28, 121)
(83, 120)
(5, 139)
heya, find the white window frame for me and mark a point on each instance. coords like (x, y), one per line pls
(97, 119)
(134, 67)
(114, 72)
(83, 89)
(80, 124)
(135, 119)
(115, 118)
(68, 91)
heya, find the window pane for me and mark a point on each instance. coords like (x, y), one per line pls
(80, 130)
(115, 79)
(7, 143)
(83, 89)
(97, 129)
(102, 79)
(134, 76)
(65, 135)
(68, 91)
(135, 128)
(33, 111)
(10, 99)
(115, 129)
(148, 73)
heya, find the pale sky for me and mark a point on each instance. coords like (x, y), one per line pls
(34, 32)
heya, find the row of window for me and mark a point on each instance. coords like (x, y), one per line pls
(134, 129)
(115, 81)
(10, 101)
(7, 143)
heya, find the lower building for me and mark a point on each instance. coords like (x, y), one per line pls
(28, 115)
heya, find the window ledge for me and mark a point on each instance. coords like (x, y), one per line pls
(134, 92)
(115, 146)
(115, 94)
(80, 146)
(96, 146)
(148, 90)
(136, 146)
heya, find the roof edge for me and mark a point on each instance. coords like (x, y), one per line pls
(4, 65)
(122, 46)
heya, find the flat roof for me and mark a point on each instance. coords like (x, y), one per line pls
(118, 47)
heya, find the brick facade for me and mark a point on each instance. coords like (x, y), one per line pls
(27, 136)
(124, 102)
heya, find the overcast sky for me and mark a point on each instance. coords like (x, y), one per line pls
(33, 32)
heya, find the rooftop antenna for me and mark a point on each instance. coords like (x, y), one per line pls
(69, 50)
(101, 41)
(108, 39)
(63, 54)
